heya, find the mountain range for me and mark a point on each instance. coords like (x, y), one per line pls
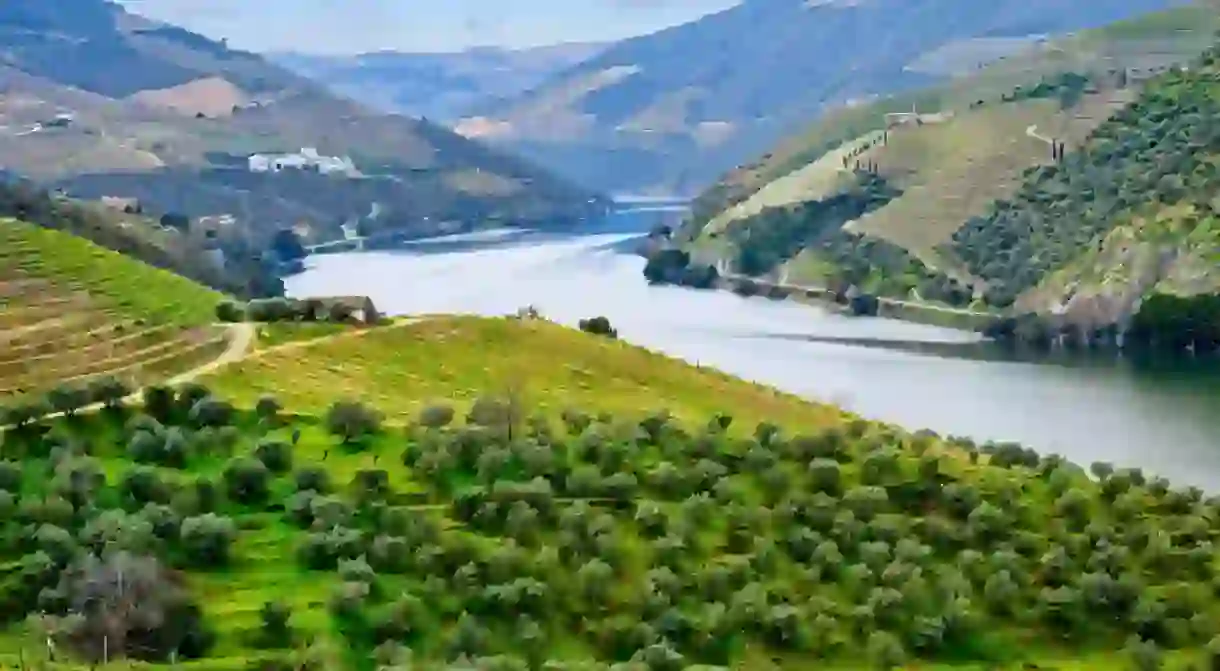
(99, 101)
(670, 111)
(437, 86)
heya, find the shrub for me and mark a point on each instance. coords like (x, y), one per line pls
(68, 399)
(109, 391)
(276, 632)
(267, 408)
(313, 478)
(159, 402)
(598, 326)
(211, 412)
(352, 420)
(436, 416)
(276, 455)
(247, 481)
(230, 312)
(206, 540)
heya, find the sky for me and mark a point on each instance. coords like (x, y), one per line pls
(355, 26)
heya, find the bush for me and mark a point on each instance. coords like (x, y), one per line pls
(247, 481)
(109, 391)
(598, 326)
(206, 540)
(211, 412)
(128, 605)
(276, 632)
(352, 420)
(313, 478)
(230, 312)
(268, 409)
(276, 455)
(436, 416)
(68, 399)
(159, 401)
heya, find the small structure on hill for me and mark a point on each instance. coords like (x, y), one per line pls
(342, 308)
(306, 159)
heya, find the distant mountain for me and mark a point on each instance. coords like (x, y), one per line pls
(99, 101)
(440, 86)
(672, 110)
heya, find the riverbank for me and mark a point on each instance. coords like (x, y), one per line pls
(1103, 409)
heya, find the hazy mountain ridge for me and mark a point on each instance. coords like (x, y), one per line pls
(441, 86)
(692, 100)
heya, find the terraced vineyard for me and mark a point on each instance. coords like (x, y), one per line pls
(71, 311)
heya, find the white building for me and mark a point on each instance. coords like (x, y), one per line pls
(307, 158)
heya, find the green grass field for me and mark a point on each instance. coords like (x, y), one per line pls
(401, 368)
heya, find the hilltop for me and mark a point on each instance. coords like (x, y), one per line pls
(510, 494)
(939, 160)
(437, 86)
(176, 127)
(672, 110)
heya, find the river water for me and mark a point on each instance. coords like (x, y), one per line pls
(1164, 418)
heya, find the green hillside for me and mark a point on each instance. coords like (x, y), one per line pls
(1133, 173)
(73, 311)
(552, 517)
(976, 142)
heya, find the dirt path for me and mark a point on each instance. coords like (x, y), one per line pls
(242, 338)
(1032, 131)
(241, 341)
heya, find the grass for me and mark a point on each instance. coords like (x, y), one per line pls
(399, 369)
(275, 334)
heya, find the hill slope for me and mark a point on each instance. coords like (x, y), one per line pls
(974, 142)
(239, 270)
(1129, 217)
(175, 130)
(439, 86)
(668, 119)
(75, 312)
(588, 537)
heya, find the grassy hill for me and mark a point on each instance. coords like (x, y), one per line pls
(176, 127)
(544, 510)
(672, 123)
(73, 311)
(398, 370)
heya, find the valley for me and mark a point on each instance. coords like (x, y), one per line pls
(392, 398)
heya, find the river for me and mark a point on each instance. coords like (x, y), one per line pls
(1163, 418)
